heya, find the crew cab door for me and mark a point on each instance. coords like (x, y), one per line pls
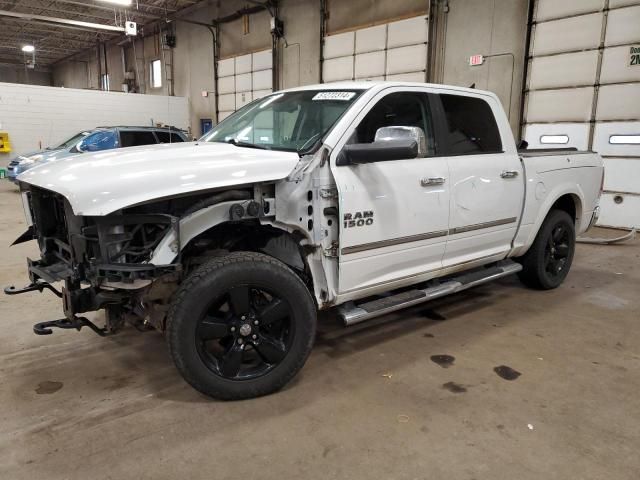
(486, 178)
(394, 214)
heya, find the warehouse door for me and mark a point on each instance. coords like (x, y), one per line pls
(390, 51)
(583, 90)
(243, 78)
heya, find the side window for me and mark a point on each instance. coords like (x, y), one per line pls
(163, 137)
(166, 137)
(401, 109)
(470, 127)
(132, 138)
(98, 141)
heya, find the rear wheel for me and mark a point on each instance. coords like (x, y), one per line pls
(241, 326)
(547, 263)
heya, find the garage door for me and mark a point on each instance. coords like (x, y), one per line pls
(390, 51)
(242, 79)
(583, 91)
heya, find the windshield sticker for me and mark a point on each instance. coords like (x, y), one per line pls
(342, 96)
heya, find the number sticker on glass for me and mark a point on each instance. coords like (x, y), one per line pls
(341, 96)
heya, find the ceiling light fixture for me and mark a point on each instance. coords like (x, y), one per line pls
(28, 49)
(124, 3)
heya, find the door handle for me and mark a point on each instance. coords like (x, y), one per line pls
(430, 182)
(509, 174)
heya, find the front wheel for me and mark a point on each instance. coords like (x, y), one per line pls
(547, 263)
(241, 326)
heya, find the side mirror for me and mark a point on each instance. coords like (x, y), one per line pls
(378, 151)
(385, 134)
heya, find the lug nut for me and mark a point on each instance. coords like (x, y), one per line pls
(255, 322)
(243, 317)
(240, 341)
(254, 336)
(233, 329)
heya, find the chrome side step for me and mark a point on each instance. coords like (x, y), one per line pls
(352, 313)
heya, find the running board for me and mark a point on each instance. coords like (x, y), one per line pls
(352, 313)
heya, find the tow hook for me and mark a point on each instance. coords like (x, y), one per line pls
(44, 328)
(33, 287)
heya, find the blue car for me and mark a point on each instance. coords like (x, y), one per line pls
(101, 138)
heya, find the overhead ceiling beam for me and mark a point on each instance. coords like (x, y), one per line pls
(62, 22)
(134, 12)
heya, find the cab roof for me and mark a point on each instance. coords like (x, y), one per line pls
(378, 85)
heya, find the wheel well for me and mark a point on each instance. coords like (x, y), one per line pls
(248, 236)
(568, 203)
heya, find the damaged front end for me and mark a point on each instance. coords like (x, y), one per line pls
(103, 262)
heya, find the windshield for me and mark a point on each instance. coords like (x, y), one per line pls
(72, 141)
(291, 121)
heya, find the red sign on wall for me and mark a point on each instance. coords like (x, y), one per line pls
(476, 60)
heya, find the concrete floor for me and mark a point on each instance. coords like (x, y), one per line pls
(370, 402)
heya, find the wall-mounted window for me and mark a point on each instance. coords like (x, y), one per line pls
(156, 74)
(624, 139)
(554, 139)
(104, 82)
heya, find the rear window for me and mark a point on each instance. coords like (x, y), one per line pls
(470, 126)
(132, 138)
(166, 137)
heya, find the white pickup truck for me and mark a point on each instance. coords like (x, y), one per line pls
(363, 197)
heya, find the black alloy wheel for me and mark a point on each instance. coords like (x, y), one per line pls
(548, 261)
(240, 326)
(245, 333)
(557, 251)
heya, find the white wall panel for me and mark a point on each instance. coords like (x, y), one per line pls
(243, 82)
(335, 69)
(261, 93)
(226, 85)
(619, 102)
(226, 67)
(570, 69)
(623, 215)
(549, 9)
(36, 117)
(616, 67)
(623, 26)
(395, 51)
(602, 139)
(576, 33)
(242, 98)
(370, 64)
(567, 105)
(227, 102)
(262, 60)
(407, 59)
(371, 39)
(252, 79)
(407, 32)
(223, 115)
(577, 133)
(243, 64)
(622, 3)
(622, 174)
(339, 45)
(407, 77)
(262, 80)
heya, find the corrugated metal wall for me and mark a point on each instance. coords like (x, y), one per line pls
(583, 90)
